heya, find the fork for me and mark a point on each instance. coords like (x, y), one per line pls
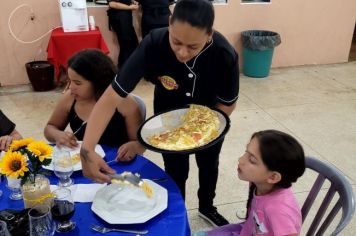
(103, 229)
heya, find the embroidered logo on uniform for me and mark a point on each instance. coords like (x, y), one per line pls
(168, 82)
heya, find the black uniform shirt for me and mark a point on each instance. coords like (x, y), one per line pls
(209, 78)
(6, 125)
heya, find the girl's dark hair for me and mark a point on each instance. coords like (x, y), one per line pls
(94, 66)
(198, 13)
(282, 153)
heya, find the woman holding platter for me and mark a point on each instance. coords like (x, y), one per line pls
(189, 63)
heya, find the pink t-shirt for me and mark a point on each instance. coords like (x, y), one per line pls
(273, 214)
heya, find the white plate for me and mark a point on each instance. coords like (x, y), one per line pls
(73, 151)
(123, 204)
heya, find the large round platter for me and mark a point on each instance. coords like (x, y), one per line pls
(169, 120)
(124, 204)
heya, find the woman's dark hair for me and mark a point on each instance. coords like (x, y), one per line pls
(198, 13)
(94, 66)
(282, 153)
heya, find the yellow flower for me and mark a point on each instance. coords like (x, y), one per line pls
(17, 144)
(13, 164)
(40, 149)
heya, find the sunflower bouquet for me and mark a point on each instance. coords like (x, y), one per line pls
(25, 158)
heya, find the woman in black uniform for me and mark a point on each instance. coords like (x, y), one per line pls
(189, 63)
(155, 14)
(120, 20)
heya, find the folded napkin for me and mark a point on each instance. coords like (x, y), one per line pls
(82, 192)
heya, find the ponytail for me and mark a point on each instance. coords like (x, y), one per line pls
(250, 197)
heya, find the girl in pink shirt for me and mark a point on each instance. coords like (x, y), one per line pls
(273, 160)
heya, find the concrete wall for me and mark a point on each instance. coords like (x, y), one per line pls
(313, 32)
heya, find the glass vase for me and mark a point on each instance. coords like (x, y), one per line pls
(36, 190)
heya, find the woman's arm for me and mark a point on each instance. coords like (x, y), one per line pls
(6, 140)
(16, 134)
(133, 120)
(121, 6)
(54, 130)
(226, 109)
(94, 167)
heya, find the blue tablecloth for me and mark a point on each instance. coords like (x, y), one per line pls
(172, 221)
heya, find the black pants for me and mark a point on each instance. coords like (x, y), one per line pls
(177, 166)
(121, 23)
(154, 18)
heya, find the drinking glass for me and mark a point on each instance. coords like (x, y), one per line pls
(63, 209)
(3, 229)
(14, 184)
(63, 167)
(40, 220)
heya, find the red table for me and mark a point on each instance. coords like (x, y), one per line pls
(62, 46)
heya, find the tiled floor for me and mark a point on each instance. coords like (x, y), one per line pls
(316, 104)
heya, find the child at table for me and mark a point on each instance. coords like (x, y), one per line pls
(90, 72)
(7, 132)
(273, 160)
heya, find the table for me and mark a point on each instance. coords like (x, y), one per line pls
(172, 221)
(62, 45)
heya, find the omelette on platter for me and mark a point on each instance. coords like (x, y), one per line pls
(200, 126)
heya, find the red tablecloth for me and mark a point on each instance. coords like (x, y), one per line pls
(62, 46)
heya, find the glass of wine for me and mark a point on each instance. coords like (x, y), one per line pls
(14, 184)
(63, 210)
(63, 167)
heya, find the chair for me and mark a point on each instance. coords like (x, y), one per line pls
(339, 184)
(141, 104)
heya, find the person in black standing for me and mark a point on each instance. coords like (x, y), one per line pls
(189, 63)
(155, 14)
(120, 20)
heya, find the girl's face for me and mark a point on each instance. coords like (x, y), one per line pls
(186, 41)
(81, 89)
(250, 165)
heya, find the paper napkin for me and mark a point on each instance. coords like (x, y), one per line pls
(82, 192)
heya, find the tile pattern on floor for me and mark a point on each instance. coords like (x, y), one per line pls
(316, 104)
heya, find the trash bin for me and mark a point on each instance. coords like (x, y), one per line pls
(258, 46)
(41, 75)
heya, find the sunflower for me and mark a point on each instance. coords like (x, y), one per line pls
(13, 164)
(18, 144)
(40, 149)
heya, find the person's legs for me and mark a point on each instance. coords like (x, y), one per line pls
(177, 166)
(127, 46)
(126, 37)
(145, 29)
(208, 164)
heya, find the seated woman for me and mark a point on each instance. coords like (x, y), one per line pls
(7, 132)
(90, 72)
